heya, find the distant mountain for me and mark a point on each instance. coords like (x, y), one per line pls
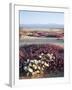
(42, 26)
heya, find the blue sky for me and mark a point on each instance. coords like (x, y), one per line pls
(32, 17)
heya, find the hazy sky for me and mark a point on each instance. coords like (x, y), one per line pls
(33, 17)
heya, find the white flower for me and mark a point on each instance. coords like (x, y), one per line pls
(30, 69)
(34, 66)
(46, 64)
(40, 56)
(25, 68)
